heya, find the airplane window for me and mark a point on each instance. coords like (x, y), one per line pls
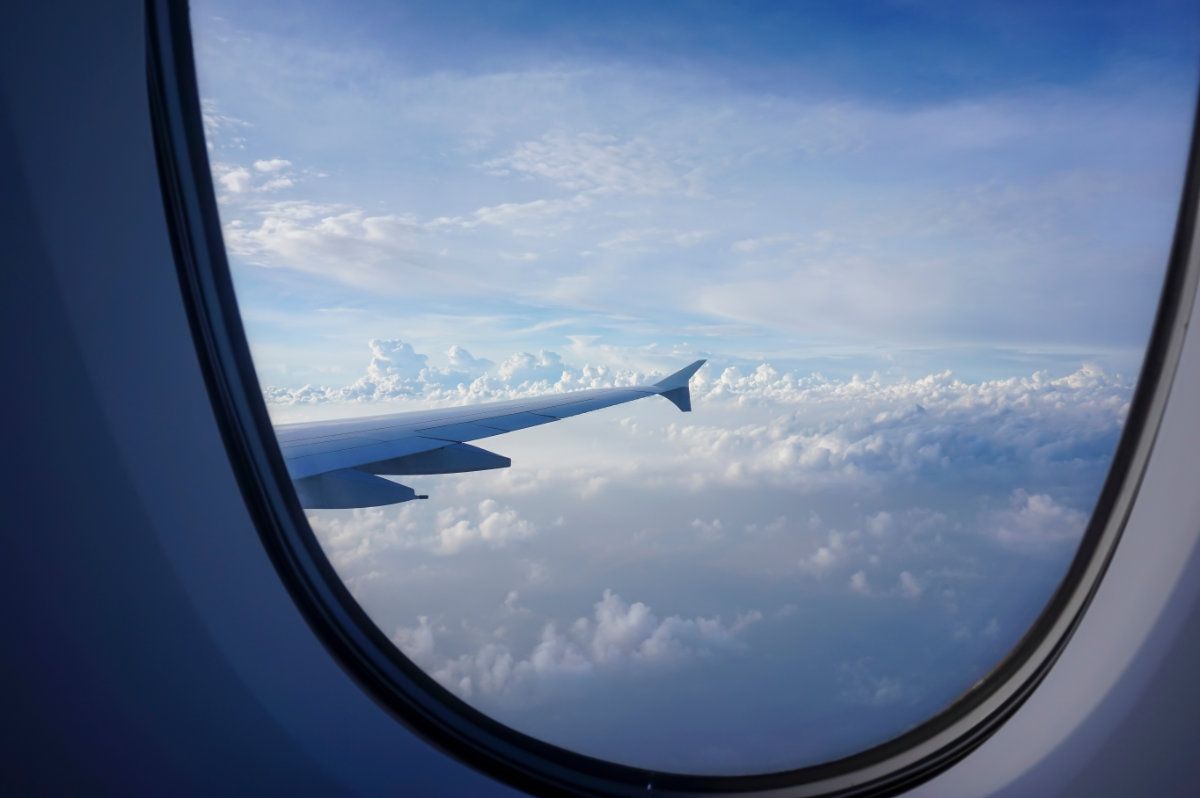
(703, 389)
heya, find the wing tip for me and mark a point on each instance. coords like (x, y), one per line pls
(680, 378)
(675, 386)
(680, 397)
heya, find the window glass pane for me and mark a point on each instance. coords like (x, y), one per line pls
(919, 247)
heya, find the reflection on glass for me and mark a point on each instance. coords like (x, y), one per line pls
(919, 249)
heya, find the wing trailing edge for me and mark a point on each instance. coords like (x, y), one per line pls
(349, 487)
(456, 458)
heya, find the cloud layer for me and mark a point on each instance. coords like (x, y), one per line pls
(760, 426)
(786, 512)
(618, 635)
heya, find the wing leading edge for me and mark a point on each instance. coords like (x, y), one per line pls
(336, 464)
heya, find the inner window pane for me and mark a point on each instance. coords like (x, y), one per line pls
(918, 246)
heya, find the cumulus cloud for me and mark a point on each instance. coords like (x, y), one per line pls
(393, 358)
(855, 430)
(708, 530)
(826, 555)
(416, 642)
(859, 583)
(354, 541)
(234, 179)
(885, 491)
(272, 164)
(276, 183)
(904, 423)
(512, 602)
(365, 533)
(909, 586)
(863, 685)
(524, 368)
(463, 361)
(1034, 522)
(1025, 439)
(619, 637)
(880, 523)
(492, 525)
(396, 370)
(239, 181)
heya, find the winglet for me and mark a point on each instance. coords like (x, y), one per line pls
(675, 387)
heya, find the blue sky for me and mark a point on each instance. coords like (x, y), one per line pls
(919, 244)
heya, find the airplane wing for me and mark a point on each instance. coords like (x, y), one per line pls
(336, 464)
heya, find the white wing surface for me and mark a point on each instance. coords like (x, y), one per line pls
(336, 464)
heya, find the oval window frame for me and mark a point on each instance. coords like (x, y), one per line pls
(442, 718)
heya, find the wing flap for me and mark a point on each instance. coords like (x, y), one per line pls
(453, 459)
(346, 488)
(309, 463)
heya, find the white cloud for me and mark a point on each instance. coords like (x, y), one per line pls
(909, 585)
(523, 368)
(512, 602)
(355, 541)
(240, 182)
(235, 179)
(462, 360)
(397, 371)
(651, 239)
(619, 636)
(821, 560)
(416, 642)
(592, 161)
(275, 184)
(272, 164)
(859, 583)
(856, 430)
(1034, 522)
(220, 128)
(859, 256)
(335, 242)
(810, 433)
(493, 526)
(593, 486)
(534, 218)
(747, 246)
(880, 523)
(393, 358)
(862, 685)
(708, 530)
(1085, 400)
